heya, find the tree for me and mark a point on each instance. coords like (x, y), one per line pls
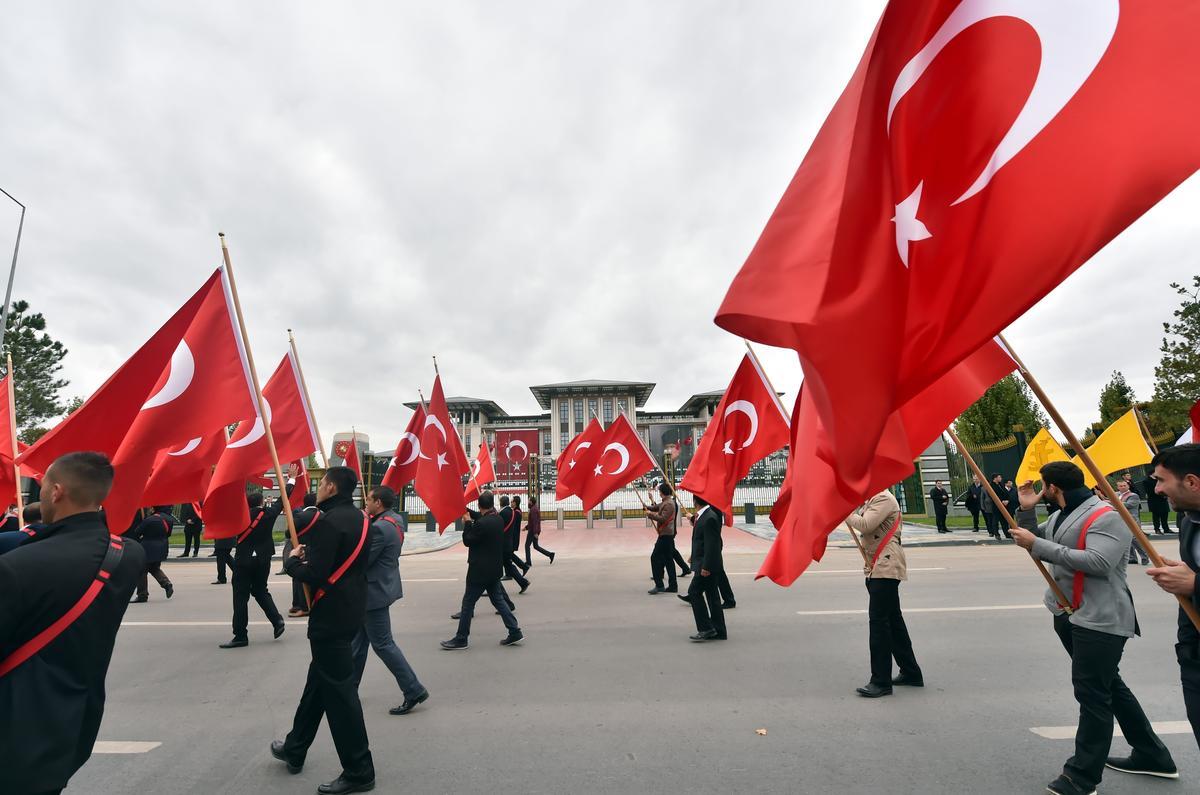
(1116, 398)
(31, 435)
(1177, 377)
(37, 359)
(991, 418)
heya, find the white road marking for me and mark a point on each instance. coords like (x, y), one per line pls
(123, 747)
(970, 609)
(824, 571)
(288, 580)
(1068, 732)
(188, 623)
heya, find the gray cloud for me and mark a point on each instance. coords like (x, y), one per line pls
(535, 192)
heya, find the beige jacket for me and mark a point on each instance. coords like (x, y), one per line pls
(873, 521)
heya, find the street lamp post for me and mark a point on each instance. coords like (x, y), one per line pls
(12, 273)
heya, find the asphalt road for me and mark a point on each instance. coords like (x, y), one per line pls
(607, 694)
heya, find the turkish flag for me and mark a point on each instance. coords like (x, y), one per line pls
(482, 473)
(352, 459)
(514, 453)
(246, 455)
(403, 466)
(748, 425)
(303, 485)
(188, 380)
(1194, 415)
(182, 474)
(908, 433)
(8, 474)
(979, 155)
(612, 462)
(569, 479)
(439, 473)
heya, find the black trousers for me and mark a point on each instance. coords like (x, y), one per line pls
(224, 558)
(154, 570)
(888, 633)
(661, 559)
(250, 579)
(499, 599)
(330, 692)
(1188, 655)
(191, 541)
(1102, 695)
(705, 593)
(940, 514)
(725, 589)
(513, 571)
(531, 540)
(1162, 519)
(989, 521)
(677, 559)
(974, 517)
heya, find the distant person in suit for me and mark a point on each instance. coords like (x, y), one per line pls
(193, 526)
(533, 530)
(483, 536)
(154, 533)
(384, 588)
(1160, 509)
(973, 501)
(940, 498)
(709, 566)
(1133, 503)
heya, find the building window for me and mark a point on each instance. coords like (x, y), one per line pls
(563, 415)
(593, 408)
(468, 442)
(564, 440)
(579, 414)
(545, 445)
(608, 412)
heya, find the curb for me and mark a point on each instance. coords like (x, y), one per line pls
(445, 543)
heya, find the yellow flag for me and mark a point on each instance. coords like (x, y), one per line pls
(1121, 446)
(1042, 449)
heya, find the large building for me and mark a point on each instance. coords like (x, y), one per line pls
(566, 410)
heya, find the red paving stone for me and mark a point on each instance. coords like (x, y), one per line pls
(606, 540)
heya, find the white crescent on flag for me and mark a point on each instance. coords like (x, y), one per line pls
(747, 408)
(182, 371)
(187, 448)
(434, 421)
(257, 432)
(575, 452)
(415, 444)
(624, 453)
(516, 443)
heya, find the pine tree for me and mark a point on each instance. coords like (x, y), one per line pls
(991, 418)
(1177, 377)
(37, 359)
(1116, 398)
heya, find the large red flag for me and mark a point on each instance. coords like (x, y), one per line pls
(247, 456)
(569, 473)
(615, 460)
(8, 474)
(908, 433)
(352, 459)
(748, 425)
(482, 473)
(182, 474)
(980, 153)
(439, 473)
(403, 466)
(1194, 415)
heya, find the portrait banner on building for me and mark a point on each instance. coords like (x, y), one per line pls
(514, 452)
(678, 440)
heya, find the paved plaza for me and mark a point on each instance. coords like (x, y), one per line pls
(608, 696)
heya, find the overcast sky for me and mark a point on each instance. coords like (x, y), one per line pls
(535, 192)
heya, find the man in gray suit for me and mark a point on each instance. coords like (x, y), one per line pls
(1087, 543)
(1133, 501)
(383, 588)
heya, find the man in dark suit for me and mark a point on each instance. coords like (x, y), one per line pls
(193, 526)
(706, 557)
(53, 699)
(941, 505)
(223, 550)
(333, 562)
(251, 568)
(510, 520)
(973, 502)
(1177, 475)
(383, 589)
(483, 536)
(1157, 504)
(154, 534)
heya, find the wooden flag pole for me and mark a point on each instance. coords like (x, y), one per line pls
(771, 386)
(1101, 480)
(12, 431)
(262, 408)
(308, 400)
(1063, 601)
(858, 543)
(1145, 429)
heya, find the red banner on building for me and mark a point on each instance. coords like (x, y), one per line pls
(514, 451)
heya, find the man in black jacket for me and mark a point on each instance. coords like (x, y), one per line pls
(709, 565)
(1177, 472)
(940, 498)
(193, 526)
(332, 562)
(154, 534)
(1160, 509)
(510, 522)
(251, 568)
(53, 701)
(483, 536)
(973, 501)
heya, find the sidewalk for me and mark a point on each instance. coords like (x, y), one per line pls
(415, 543)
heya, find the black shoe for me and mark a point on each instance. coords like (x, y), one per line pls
(728, 605)
(701, 637)
(719, 636)
(683, 598)
(456, 616)
(872, 690)
(279, 628)
(184, 555)
(212, 554)
(552, 554)
(904, 680)
(342, 785)
(672, 589)
(505, 578)
(1139, 767)
(217, 582)
(525, 587)
(280, 573)
(236, 643)
(1065, 786)
(686, 573)
(409, 704)
(454, 644)
(170, 589)
(513, 639)
(277, 752)
(138, 599)
(657, 590)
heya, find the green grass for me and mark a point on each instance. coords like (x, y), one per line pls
(965, 521)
